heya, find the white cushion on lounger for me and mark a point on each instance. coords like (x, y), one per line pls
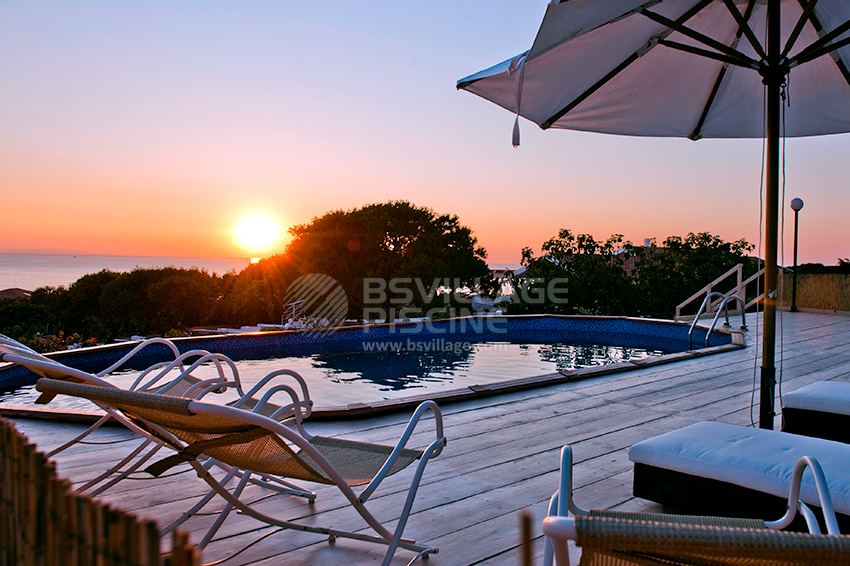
(758, 459)
(823, 396)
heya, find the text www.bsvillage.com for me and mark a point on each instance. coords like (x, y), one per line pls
(435, 345)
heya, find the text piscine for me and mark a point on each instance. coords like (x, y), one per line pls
(400, 292)
(494, 324)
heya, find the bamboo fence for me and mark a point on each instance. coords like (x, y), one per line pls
(818, 291)
(45, 524)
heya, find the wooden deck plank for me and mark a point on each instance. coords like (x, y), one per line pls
(502, 455)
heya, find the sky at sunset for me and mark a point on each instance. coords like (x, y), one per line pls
(153, 128)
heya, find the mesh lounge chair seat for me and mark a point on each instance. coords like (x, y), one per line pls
(356, 462)
(256, 444)
(613, 538)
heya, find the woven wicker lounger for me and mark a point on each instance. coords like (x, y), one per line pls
(612, 538)
(717, 468)
(820, 409)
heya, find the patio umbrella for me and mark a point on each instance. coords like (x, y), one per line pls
(688, 68)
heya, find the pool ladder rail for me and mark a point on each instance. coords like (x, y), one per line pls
(724, 307)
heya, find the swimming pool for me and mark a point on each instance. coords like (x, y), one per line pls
(367, 364)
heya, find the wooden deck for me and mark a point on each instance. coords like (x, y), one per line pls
(502, 455)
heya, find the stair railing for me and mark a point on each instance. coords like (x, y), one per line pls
(708, 290)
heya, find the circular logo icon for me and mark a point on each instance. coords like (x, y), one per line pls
(315, 302)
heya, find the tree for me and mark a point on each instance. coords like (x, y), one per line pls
(156, 301)
(575, 275)
(183, 298)
(843, 267)
(418, 248)
(257, 293)
(666, 276)
(82, 312)
(23, 317)
(615, 277)
(109, 304)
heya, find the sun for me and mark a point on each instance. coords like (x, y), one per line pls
(257, 233)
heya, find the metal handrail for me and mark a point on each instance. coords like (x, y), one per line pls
(726, 311)
(739, 289)
(705, 301)
(722, 306)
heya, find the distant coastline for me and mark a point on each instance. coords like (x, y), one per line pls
(32, 270)
(44, 251)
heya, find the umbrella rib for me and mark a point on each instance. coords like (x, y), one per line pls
(704, 39)
(703, 53)
(627, 14)
(697, 133)
(692, 12)
(743, 26)
(792, 39)
(546, 124)
(823, 51)
(842, 67)
(818, 45)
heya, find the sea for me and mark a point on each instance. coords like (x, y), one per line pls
(31, 271)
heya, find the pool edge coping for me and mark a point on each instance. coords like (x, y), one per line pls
(388, 406)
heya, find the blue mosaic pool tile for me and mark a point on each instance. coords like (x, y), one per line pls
(651, 335)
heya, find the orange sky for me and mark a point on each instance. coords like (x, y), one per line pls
(152, 129)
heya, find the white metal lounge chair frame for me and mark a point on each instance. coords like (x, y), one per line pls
(393, 540)
(15, 352)
(12, 351)
(298, 437)
(559, 525)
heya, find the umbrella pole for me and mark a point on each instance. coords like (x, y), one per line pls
(773, 76)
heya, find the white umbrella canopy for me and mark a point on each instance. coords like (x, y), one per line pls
(601, 66)
(688, 68)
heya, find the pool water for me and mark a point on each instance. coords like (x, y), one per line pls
(350, 377)
(363, 376)
(369, 363)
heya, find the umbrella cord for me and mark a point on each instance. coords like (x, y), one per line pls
(758, 254)
(785, 97)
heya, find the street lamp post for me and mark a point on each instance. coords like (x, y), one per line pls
(796, 205)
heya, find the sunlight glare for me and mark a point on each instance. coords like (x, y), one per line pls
(257, 233)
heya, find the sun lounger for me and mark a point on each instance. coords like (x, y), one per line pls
(820, 409)
(722, 469)
(642, 539)
(259, 445)
(175, 378)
